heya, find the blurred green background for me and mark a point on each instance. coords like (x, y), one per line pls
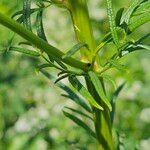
(31, 106)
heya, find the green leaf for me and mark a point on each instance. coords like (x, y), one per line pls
(84, 92)
(62, 77)
(79, 112)
(118, 16)
(47, 74)
(113, 100)
(118, 66)
(121, 35)
(107, 38)
(99, 88)
(109, 78)
(21, 12)
(112, 23)
(143, 8)
(127, 15)
(80, 123)
(25, 51)
(74, 49)
(139, 20)
(42, 66)
(58, 61)
(39, 25)
(146, 47)
(73, 96)
(26, 14)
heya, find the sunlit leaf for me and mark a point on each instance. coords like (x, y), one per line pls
(99, 88)
(74, 49)
(127, 15)
(112, 23)
(117, 65)
(84, 92)
(73, 96)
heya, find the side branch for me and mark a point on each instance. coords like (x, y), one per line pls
(39, 43)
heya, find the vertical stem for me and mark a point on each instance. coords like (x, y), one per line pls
(82, 26)
(102, 122)
(83, 30)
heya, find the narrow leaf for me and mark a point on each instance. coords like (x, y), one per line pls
(74, 49)
(118, 16)
(25, 51)
(139, 20)
(118, 66)
(99, 88)
(113, 100)
(80, 123)
(109, 78)
(79, 112)
(127, 15)
(143, 8)
(39, 25)
(42, 66)
(107, 38)
(73, 96)
(61, 78)
(26, 14)
(21, 12)
(84, 92)
(146, 47)
(112, 23)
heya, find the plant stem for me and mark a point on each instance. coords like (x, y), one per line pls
(83, 30)
(102, 121)
(39, 43)
(82, 26)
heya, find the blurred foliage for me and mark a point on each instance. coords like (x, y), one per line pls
(31, 108)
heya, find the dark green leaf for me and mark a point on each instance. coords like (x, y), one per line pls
(113, 100)
(84, 92)
(79, 112)
(39, 25)
(39, 67)
(21, 12)
(26, 14)
(73, 96)
(62, 77)
(118, 16)
(99, 88)
(74, 49)
(25, 51)
(80, 123)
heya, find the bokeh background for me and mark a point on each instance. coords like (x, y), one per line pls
(31, 106)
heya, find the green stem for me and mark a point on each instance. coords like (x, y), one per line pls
(83, 30)
(39, 43)
(101, 121)
(82, 26)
